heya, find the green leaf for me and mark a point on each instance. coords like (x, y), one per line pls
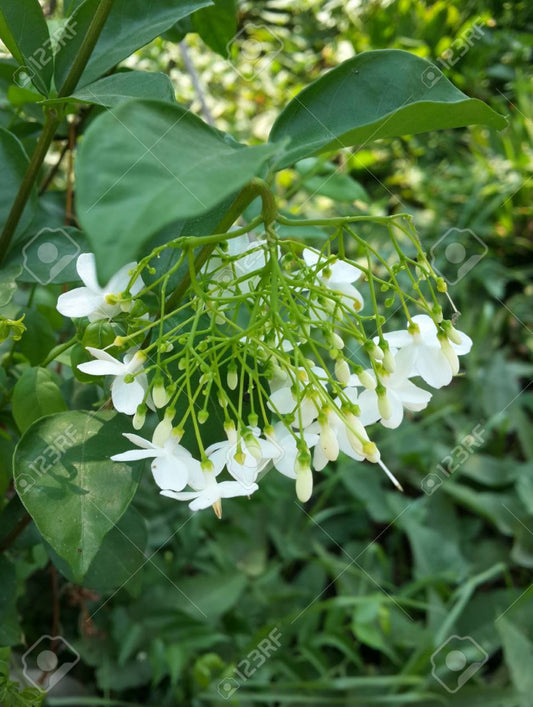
(35, 395)
(8, 285)
(213, 595)
(67, 483)
(119, 559)
(377, 94)
(217, 25)
(131, 24)
(10, 631)
(38, 339)
(14, 162)
(117, 88)
(518, 650)
(24, 32)
(148, 164)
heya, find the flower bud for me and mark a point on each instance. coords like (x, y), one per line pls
(253, 446)
(374, 351)
(451, 332)
(342, 371)
(304, 481)
(388, 362)
(384, 405)
(159, 393)
(232, 378)
(337, 341)
(329, 442)
(138, 360)
(139, 417)
(203, 415)
(367, 381)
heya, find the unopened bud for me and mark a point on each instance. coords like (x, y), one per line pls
(388, 362)
(329, 443)
(441, 285)
(342, 371)
(159, 394)
(203, 416)
(451, 332)
(374, 351)
(367, 380)
(139, 417)
(232, 378)
(304, 481)
(384, 405)
(337, 341)
(253, 446)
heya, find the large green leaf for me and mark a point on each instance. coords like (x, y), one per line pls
(35, 395)
(131, 24)
(117, 88)
(65, 480)
(120, 559)
(14, 162)
(217, 25)
(376, 94)
(147, 164)
(24, 32)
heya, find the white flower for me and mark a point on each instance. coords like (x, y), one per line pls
(126, 397)
(245, 464)
(283, 401)
(400, 393)
(91, 300)
(424, 353)
(286, 462)
(209, 492)
(337, 275)
(243, 258)
(173, 467)
(336, 436)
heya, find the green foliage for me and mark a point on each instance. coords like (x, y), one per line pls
(364, 586)
(374, 106)
(74, 498)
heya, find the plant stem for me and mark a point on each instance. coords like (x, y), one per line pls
(52, 120)
(57, 350)
(256, 187)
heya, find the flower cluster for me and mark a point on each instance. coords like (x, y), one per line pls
(283, 347)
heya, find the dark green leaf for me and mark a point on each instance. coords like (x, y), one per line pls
(14, 162)
(119, 559)
(35, 395)
(148, 164)
(24, 32)
(38, 339)
(117, 88)
(8, 276)
(377, 94)
(67, 483)
(518, 649)
(131, 24)
(217, 25)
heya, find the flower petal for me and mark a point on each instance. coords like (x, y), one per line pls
(80, 302)
(170, 473)
(101, 368)
(133, 455)
(120, 280)
(432, 365)
(126, 396)
(86, 267)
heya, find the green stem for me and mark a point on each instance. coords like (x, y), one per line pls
(57, 350)
(52, 120)
(256, 187)
(339, 221)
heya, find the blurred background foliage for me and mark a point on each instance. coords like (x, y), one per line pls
(363, 584)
